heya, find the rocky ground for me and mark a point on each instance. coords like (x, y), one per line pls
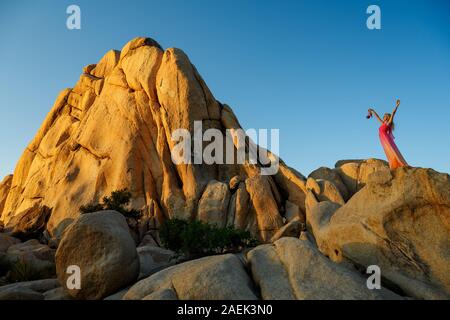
(318, 234)
(397, 220)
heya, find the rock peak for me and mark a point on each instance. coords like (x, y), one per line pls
(112, 131)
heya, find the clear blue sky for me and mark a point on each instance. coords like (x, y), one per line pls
(309, 68)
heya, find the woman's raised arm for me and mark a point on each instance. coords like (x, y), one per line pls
(394, 111)
(375, 114)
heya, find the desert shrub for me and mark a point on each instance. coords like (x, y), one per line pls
(195, 238)
(20, 271)
(118, 200)
(92, 207)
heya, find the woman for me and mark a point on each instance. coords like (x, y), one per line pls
(394, 156)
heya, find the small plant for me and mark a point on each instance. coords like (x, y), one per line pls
(117, 201)
(21, 271)
(196, 238)
(92, 207)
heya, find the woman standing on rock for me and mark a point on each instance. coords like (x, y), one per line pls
(393, 155)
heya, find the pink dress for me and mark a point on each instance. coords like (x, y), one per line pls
(393, 155)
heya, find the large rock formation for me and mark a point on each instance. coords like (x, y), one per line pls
(399, 221)
(113, 130)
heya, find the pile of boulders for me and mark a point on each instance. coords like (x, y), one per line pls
(360, 216)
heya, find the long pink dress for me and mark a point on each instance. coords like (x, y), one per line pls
(393, 155)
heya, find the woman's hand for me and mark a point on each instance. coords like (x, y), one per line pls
(398, 102)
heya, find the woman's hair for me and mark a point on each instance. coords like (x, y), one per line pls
(392, 123)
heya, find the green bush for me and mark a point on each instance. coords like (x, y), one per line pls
(196, 238)
(117, 201)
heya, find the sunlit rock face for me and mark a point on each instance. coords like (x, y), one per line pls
(113, 130)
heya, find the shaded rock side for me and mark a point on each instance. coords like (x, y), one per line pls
(292, 268)
(210, 278)
(5, 186)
